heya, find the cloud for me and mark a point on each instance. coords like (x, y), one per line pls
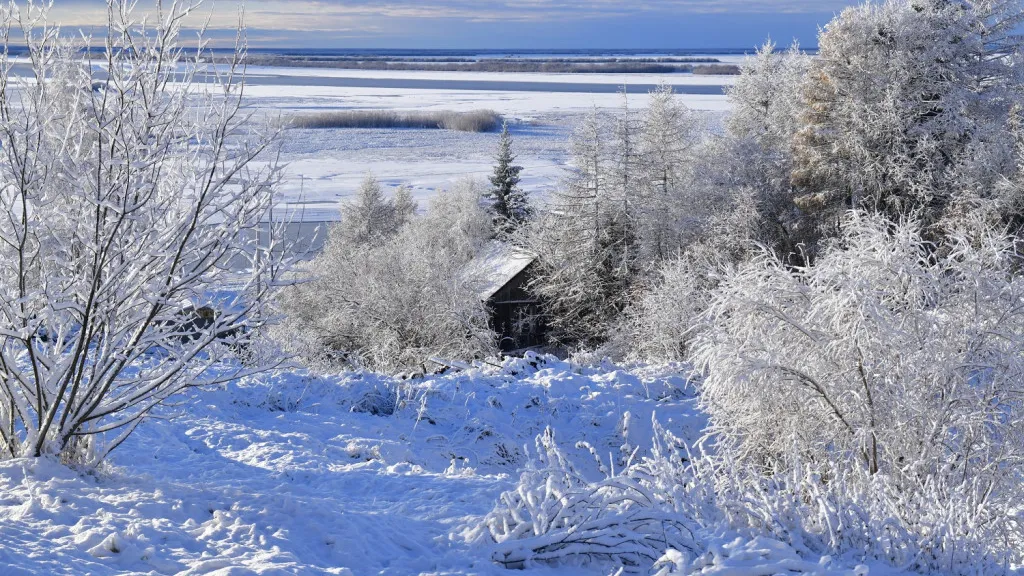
(324, 15)
(477, 23)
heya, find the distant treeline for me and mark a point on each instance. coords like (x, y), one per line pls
(558, 65)
(466, 59)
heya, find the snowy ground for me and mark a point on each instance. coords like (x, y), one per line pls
(353, 474)
(327, 165)
(280, 475)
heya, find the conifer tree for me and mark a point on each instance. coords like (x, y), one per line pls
(511, 205)
(404, 205)
(369, 217)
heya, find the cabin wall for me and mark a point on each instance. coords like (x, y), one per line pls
(516, 314)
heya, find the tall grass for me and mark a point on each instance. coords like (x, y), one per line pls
(472, 121)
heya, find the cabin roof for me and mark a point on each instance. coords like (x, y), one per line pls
(497, 264)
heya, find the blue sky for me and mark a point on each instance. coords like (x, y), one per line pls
(505, 23)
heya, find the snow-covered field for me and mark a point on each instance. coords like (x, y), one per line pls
(314, 475)
(597, 78)
(327, 165)
(350, 474)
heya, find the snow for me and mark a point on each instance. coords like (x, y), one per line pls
(356, 473)
(496, 265)
(325, 166)
(511, 102)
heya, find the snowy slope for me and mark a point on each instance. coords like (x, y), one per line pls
(351, 474)
(278, 475)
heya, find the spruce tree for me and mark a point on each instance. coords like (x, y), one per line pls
(510, 204)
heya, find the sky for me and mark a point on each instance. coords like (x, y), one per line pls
(499, 24)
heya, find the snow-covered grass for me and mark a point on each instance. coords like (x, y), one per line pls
(294, 473)
(358, 473)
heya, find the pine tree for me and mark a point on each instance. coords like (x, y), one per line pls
(511, 206)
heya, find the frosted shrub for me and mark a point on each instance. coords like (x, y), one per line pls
(875, 396)
(391, 304)
(556, 514)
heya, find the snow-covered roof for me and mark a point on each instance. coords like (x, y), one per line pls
(496, 265)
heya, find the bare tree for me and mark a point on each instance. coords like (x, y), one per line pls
(128, 186)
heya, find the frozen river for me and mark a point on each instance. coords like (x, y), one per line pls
(679, 83)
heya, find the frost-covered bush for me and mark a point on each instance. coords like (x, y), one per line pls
(663, 320)
(393, 303)
(628, 518)
(874, 398)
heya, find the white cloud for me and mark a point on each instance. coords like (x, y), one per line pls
(370, 16)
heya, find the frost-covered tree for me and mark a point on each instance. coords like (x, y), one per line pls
(510, 203)
(667, 136)
(623, 179)
(584, 241)
(766, 98)
(629, 203)
(906, 105)
(889, 371)
(393, 304)
(663, 320)
(405, 205)
(369, 216)
(126, 186)
(757, 153)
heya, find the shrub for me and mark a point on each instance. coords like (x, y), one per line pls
(555, 514)
(882, 384)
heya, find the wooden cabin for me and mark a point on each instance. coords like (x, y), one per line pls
(502, 273)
